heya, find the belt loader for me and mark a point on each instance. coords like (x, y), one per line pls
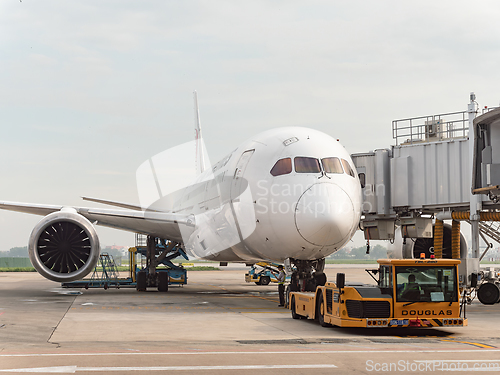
(409, 293)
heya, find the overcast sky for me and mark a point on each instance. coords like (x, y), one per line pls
(90, 89)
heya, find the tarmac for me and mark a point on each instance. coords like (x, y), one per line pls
(218, 324)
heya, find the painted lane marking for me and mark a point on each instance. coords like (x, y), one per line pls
(458, 360)
(73, 369)
(479, 345)
(197, 353)
(264, 312)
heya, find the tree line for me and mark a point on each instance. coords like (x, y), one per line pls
(376, 252)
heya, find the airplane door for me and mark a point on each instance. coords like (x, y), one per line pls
(239, 185)
(241, 205)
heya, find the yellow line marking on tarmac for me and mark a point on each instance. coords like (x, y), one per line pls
(264, 312)
(472, 343)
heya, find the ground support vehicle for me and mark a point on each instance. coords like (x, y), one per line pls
(265, 275)
(409, 293)
(105, 275)
(158, 271)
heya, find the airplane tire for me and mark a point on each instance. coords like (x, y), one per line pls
(163, 279)
(310, 286)
(488, 294)
(320, 278)
(141, 284)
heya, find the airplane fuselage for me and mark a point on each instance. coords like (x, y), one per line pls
(285, 193)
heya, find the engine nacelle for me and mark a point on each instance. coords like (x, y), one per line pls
(415, 246)
(64, 246)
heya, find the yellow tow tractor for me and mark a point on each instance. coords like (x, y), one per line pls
(409, 293)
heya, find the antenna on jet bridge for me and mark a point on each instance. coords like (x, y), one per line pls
(200, 158)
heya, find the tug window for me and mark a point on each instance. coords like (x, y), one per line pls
(282, 166)
(307, 165)
(332, 165)
(347, 168)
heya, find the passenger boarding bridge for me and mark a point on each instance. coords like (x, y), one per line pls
(442, 167)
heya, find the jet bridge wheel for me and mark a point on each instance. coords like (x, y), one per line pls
(488, 294)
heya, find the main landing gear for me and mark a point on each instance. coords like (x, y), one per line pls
(159, 251)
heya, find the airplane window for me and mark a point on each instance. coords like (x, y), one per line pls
(347, 168)
(307, 165)
(332, 165)
(282, 166)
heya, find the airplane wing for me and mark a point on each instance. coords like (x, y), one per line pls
(159, 224)
(115, 203)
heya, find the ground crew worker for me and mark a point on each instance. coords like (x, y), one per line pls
(411, 290)
(281, 285)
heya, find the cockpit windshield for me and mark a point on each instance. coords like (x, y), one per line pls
(282, 166)
(306, 165)
(347, 168)
(426, 284)
(332, 165)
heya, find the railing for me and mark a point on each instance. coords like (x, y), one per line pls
(430, 128)
(488, 109)
(141, 240)
(491, 229)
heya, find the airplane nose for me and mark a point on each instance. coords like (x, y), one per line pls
(324, 214)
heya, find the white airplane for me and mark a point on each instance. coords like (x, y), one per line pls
(286, 195)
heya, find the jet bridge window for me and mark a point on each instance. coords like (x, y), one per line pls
(282, 166)
(347, 168)
(306, 165)
(332, 165)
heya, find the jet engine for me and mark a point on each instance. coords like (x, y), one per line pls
(413, 247)
(64, 246)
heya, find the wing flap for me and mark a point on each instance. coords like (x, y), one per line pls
(115, 203)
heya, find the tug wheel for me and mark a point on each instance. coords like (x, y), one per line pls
(320, 312)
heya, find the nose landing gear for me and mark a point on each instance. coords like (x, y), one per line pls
(307, 275)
